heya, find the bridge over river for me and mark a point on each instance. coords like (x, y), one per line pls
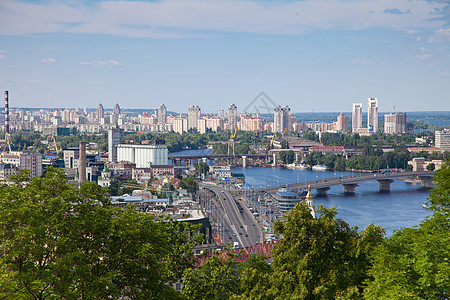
(351, 182)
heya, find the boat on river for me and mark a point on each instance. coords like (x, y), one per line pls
(320, 168)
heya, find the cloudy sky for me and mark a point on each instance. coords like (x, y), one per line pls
(313, 55)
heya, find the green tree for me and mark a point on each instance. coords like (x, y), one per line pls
(321, 258)
(414, 262)
(189, 184)
(431, 167)
(202, 168)
(59, 242)
(214, 279)
(287, 157)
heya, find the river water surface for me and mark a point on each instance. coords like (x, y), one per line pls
(402, 207)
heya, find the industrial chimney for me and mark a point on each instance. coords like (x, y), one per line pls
(82, 163)
(6, 114)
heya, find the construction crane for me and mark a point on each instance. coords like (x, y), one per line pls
(58, 151)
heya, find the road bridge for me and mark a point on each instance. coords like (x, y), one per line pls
(178, 158)
(351, 182)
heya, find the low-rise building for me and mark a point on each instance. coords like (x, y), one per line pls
(419, 164)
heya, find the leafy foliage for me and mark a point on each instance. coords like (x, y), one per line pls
(414, 263)
(60, 242)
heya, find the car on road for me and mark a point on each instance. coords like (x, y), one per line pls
(234, 233)
(240, 233)
(246, 235)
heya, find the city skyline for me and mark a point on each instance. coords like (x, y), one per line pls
(314, 56)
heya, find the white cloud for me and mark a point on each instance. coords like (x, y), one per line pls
(99, 63)
(2, 54)
(48, 60)
(440, 35)
(361, 61)
(424, 54)
(181, 18)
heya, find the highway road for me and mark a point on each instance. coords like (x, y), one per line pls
(239, 224)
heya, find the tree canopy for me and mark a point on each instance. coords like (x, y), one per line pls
(61, 242)
(414, 263)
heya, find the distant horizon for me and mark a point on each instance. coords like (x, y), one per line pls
(310, 55)
(215, 113)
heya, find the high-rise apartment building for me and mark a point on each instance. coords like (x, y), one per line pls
(342, 123)
(100, 112)
(114, 137)
(395, 123)
(115, 114)
(281, 119)
(221, 114)
(162, 114)
(251, 123)
(442, 139)
(179, 123)
(232, 117)
(372, 115)
(194, 114)
(356, 116)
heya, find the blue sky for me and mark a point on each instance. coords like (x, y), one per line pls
(313, 55)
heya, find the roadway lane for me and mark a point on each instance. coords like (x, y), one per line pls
(242, 226)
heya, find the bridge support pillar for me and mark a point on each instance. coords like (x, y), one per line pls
(204, 159)
(274, 162)
(188, 162)
(426, 182)
(349, 188)
(322, 192)
(244, 161)
(385, 185)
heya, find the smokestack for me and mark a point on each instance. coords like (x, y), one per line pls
(82, 163)
(6, 114)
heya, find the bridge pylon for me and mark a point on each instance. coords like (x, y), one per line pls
(322, 192)
(385, 185)
(426, 182)
(349, 188)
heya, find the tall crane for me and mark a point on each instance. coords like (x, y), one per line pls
(58, 150)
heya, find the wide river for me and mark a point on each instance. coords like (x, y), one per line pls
(402, 207)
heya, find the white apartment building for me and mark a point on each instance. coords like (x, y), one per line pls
(442, 139)
(395, 123)
(372, 115)
(356, 116)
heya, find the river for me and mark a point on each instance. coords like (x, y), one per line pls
(402, 207)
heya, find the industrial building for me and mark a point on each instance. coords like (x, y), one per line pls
(143, 155)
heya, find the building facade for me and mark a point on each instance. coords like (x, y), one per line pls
(395, 123)
(232, 117)
(143, 155)
(162, 114)
(281, 119)
(442, 139)
(372, 115)
(356, 116)
(194, 114)
(114, 137)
